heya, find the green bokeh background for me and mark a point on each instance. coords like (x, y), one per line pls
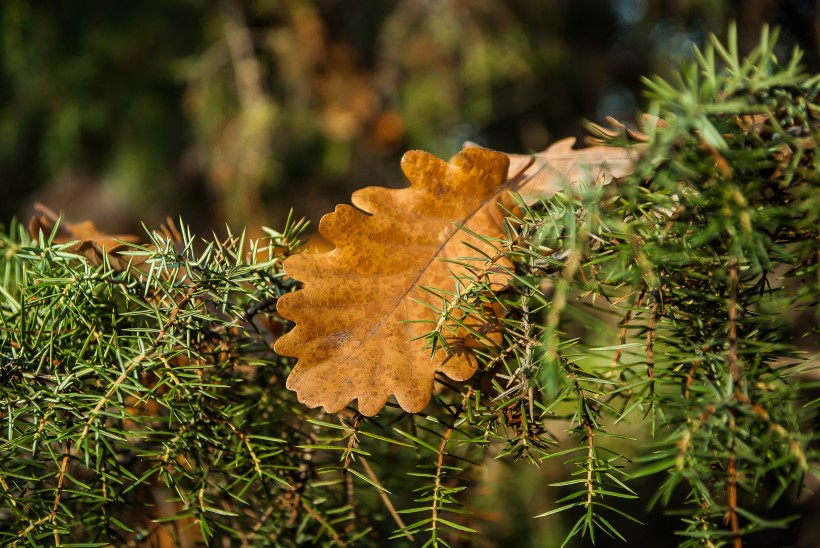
(235, 110)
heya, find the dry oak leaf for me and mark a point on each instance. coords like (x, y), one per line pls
(545, 173)
(91, 242)
(94, 244)
(352, 338)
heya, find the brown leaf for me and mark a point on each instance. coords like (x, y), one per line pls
(91, 243)
(534, 176)
(350, 333)
(84, 231)
(352, 336)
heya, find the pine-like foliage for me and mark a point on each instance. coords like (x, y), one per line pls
(144, 404)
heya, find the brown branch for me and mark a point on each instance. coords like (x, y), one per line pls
(650, 343)
(96, 411)
(257, 466)
(298, 481)
(590, 464)
(466, 291)
(794, 445)
(439, 466)
(440, 456)
(637, 303)
(734, 371)
(589, 423)
(133, 365)
(385, 499)
(7, 489)
(732, 502)
(731, 493)
(526, 359)
(352, 444)
(57, 496)
(258, 525)
(353, 441)
(690, 377)
(350, 498)
(734, 368)
(315, 515)
(59, 492)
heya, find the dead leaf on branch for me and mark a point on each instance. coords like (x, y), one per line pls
(358, 317)
(91, 242)
(351, 336)
(83, 232)
(547, 172)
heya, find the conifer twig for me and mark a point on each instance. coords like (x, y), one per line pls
(133, 364)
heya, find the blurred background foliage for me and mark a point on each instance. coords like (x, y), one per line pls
(235, 110)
